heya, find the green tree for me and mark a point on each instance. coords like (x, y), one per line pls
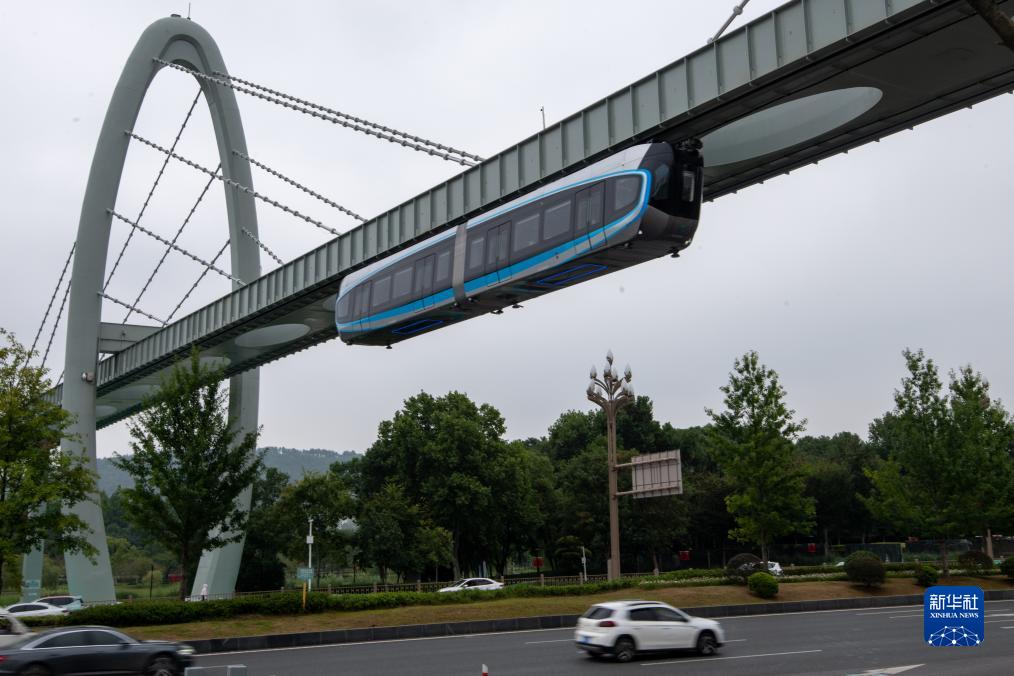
(752, 442)
(947, 466)
(447, 454)
(267, 535)
(387, 528)
(189, 465)
(38, 483)
(324, 497)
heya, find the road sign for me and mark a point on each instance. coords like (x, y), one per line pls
(304, 574)
(655, 474)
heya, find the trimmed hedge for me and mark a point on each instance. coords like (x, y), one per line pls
(145, 613)
(975, 562)
(865, 568)
(926, 576)
(763, 585)
(1007, 567)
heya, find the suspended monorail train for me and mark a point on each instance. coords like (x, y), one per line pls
(636, 205)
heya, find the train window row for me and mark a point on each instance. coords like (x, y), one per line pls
(530, 230)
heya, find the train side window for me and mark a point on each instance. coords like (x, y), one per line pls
(443, 275)
(588, 210)
(626, 190)
(526, 233)
(474, 260)
(402, 283)
(344, 305)
(381, 292)
(557, 221)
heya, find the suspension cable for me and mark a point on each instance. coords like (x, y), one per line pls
(168, 248)
(736, 11)
(262, 245)
(151, 192)
(173, 246)
(194, 285)
(131, 307)
(52, 298)
(352, 118)
(298, 185)
(234, 184)
(323, 116)
(56, 323)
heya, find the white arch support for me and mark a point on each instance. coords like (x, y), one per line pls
(179, 41)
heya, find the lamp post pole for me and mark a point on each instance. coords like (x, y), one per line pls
(612, 392)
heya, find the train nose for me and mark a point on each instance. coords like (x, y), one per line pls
(659, 225)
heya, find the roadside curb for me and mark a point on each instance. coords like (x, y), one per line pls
(339, 636)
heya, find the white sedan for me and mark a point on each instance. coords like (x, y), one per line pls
(625, 628)
(34, 609)
(473, 584)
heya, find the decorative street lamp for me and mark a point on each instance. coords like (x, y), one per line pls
(612, 392)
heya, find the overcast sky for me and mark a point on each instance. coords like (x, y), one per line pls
(828, 273)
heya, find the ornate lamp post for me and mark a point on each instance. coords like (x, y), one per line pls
(612, 392)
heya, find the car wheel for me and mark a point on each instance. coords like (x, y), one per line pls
(624, 649)
(163, 665)
(36, 670)
(706, 644)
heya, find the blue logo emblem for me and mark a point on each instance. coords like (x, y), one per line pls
(953, 616)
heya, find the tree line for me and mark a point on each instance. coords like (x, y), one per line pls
(441, 491)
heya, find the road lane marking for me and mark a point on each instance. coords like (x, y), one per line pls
(555, 640)
(887, 612)
(1007, 627)
(732, 657)
(389, 640)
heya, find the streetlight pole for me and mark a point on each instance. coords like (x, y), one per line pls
(612, 392)
(309, 554)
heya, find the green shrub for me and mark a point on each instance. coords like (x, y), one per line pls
(926, 575)
(741, 566)
(763, 585)
(1007, 567)
(975, 562)
(865, 568)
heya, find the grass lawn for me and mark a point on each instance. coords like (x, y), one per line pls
(253, 625)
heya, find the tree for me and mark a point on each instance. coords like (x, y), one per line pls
(387, 525)
(947, 467)
(267, 535)
(325, 498)
(189, 465)
(752, 442)
(38, 483)
(447, 454)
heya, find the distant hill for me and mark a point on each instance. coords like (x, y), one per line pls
(292, 461)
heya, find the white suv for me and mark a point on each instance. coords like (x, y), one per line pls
(625, 628)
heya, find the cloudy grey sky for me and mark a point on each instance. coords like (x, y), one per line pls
(829, 272)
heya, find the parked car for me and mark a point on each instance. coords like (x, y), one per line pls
(625, 628)
(34, 609)
(68, 601)
(11, 630)
(774, 567)
(473, 584)
(92, 650)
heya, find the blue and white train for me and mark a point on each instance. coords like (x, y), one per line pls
(636, 205)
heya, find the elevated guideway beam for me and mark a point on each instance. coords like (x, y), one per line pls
(846, 72)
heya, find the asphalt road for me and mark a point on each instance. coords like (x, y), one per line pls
(865, 641)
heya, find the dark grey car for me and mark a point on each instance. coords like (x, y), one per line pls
(92, 650)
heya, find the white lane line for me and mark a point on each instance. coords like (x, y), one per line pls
(888, 612)
(555, 640)
(733, 657)
(392, 640)
(1007, 627)
(734, 640)
(898, 609)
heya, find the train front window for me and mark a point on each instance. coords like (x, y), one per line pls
(660, 182)
(344, 305)
(625, 192)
